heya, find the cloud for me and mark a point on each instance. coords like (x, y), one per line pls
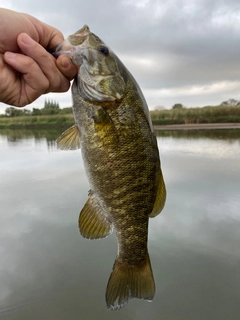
(167, 45)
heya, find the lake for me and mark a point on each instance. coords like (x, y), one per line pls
(48, 271)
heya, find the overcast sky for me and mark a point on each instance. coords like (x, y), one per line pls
(179, 51)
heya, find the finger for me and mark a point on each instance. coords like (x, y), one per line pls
(57, 81)
(65, 65)
(48, 35)
(8, 86)
(33, 82)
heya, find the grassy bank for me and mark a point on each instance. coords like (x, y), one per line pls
(41, 121)
(219, 114)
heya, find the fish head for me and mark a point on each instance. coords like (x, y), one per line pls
(99, 78)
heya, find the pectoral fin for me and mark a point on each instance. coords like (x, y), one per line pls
(92, 222)
(104, 127)
(160, 198)
(69, 139)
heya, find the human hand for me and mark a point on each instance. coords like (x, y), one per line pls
(27, 70)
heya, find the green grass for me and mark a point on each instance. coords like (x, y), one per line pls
(218, 114)
(57, 120)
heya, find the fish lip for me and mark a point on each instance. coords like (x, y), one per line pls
(62, 48)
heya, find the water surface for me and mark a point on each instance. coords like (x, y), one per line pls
(48, 271)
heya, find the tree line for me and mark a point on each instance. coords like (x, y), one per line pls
(50, 108)
(209, 114)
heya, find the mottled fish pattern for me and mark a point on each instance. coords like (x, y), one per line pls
(119, 148)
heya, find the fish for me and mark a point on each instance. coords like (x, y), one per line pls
(119, 148)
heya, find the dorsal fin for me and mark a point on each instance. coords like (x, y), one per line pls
(93, 224)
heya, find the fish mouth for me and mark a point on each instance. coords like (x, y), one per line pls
(62, 49)
(68, 46)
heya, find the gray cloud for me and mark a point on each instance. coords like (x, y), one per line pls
(170, 45)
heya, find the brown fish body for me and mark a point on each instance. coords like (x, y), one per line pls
(121, 158)
(122, 163)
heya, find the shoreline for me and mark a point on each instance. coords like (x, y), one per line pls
(198, 126)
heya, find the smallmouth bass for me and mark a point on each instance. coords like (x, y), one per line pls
(121, 159)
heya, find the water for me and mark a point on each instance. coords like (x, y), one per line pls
(48, 271)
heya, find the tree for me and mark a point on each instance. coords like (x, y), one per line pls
(26, 112)
(50, 107)
(177, 106)
(13, 112)
(230, 102)
(67, 110)
(36, 112)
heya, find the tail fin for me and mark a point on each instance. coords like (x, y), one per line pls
(129, 281)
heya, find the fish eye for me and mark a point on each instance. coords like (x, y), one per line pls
(103, 50)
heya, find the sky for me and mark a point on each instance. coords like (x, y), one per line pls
(179, 51)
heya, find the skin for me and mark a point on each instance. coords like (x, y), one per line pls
(27, 70)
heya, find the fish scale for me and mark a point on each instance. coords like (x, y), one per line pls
(121, 159)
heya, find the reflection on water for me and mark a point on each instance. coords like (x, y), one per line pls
(15, 136)
(48, 271)
(222, 134)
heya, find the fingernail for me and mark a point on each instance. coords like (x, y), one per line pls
(65, 62)
(10, 55)
(27, 40)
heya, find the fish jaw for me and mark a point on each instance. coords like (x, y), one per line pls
(72, 45)
(66, 47)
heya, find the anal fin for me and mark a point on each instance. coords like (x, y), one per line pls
(92, 222)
